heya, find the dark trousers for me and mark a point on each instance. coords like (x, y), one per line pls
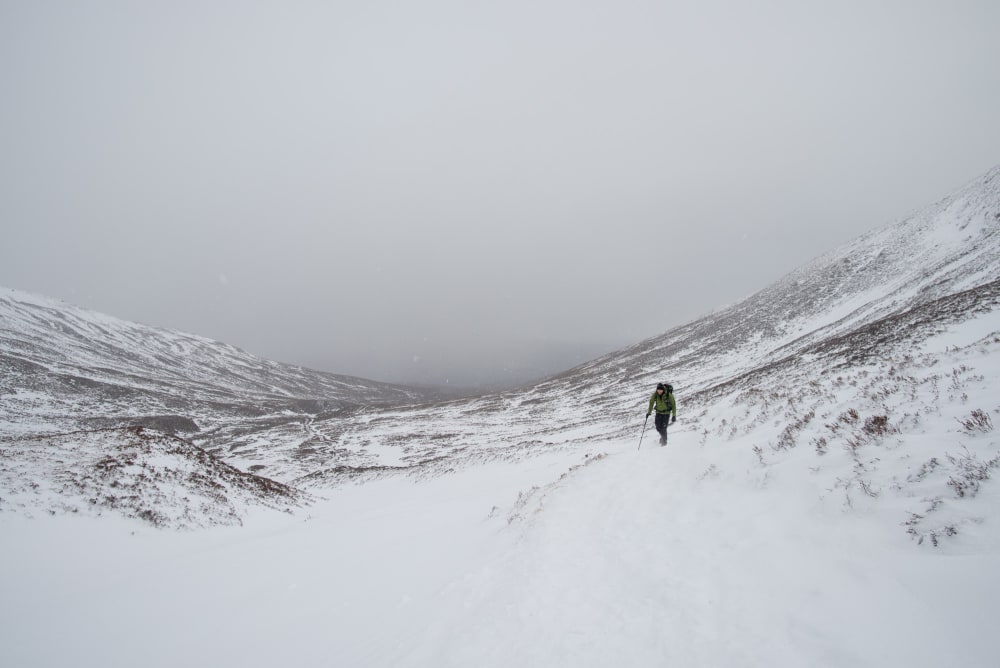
(662, 419)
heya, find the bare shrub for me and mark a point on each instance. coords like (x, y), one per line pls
(848, 417)
(884, 392)
(970, 473)
(978, 421)
(935, 535)
(956, 377)
(711, 472)
(911, 524)
(787, 439)
(877, 426)
(914, 525)
(867, 488)
(925, 469)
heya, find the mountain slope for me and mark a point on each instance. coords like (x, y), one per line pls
(949, 247)
(160, 479)
(875, 299)
(878, 296)
(61, 366)
(762, 538)
(828, 497)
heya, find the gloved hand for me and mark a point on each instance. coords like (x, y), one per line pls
(673, 419)
(648, 414)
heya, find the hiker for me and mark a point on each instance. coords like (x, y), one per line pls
(665, 404)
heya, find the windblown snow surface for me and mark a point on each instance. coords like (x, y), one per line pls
(705, 552)
(827, 498)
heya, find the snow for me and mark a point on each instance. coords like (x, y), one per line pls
(701, 553)
(812, 508)
(633, 561)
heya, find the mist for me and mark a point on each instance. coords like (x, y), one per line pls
(447, 193)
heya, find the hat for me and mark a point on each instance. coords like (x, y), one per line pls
(660, 386)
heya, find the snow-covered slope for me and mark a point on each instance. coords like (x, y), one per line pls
(878, 296)
(760, 538)
(827, 497)
(161, 479)
(63, 367)
(947, 248)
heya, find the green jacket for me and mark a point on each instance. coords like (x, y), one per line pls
(663, 404)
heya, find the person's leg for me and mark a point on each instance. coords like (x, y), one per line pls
(661, 427)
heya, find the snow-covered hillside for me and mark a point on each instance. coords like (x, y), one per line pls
(63, 368)
(883, 293)
(759, 540)
(161, 479)
(827, 498)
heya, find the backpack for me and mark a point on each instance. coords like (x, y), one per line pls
(670, 388)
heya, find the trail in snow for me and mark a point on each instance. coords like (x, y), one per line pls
(683, 555)
(639, 560)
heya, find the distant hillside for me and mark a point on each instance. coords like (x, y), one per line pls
(63, 367)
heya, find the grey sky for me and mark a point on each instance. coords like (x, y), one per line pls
(420, 190)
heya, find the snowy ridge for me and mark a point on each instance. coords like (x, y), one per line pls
(945, 249)
(62, 365)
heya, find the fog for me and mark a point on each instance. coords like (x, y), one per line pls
(468, 193)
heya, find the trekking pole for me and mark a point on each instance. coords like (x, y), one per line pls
(643, 432)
